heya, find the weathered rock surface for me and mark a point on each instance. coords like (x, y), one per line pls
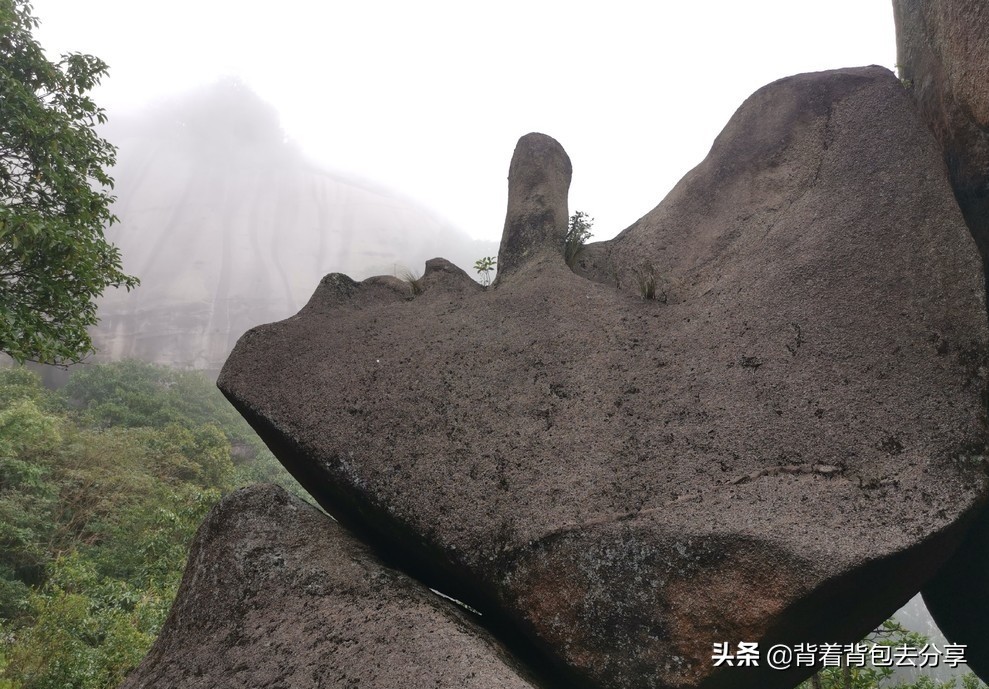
(278, 595)
(943, 52)
(943, 55)
(536, 220)
(780, 452)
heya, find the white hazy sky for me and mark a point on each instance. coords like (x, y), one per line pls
(429, 97)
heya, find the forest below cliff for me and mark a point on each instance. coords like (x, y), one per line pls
(102, 486)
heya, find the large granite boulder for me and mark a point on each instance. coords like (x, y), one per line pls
(943, 56)
(278, 595)
(780, 449)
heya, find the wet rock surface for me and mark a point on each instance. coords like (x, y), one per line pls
(779, 445)
(277, 595)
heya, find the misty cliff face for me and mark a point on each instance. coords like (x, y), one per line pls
(228, 225)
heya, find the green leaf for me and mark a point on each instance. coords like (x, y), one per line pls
(54, 197)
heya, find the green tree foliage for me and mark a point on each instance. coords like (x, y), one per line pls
(102, 486)
(484, 267)
(88, 630)
(892, 635)
(578, 232)
(20, 384)
(134, 394)
(27, 498)
(54, 197)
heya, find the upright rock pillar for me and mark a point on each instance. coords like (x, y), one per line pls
(536, 221)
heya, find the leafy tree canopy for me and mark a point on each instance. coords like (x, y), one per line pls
(102, 486)
(54, 197)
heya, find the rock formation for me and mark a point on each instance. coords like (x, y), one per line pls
(227, 225)
(278, 595)
(943, 51)
(943, 56)
(536, 221)
(783, 448)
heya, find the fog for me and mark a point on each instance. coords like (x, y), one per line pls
(229, 225)
(378, 134)
(429, 98)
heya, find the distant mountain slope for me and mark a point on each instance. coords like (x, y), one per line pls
(228, 226)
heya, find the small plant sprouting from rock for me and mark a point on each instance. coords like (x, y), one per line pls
(414, 281)
(645, 275)
(906, 83)
(578, 232)
(484, 266)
